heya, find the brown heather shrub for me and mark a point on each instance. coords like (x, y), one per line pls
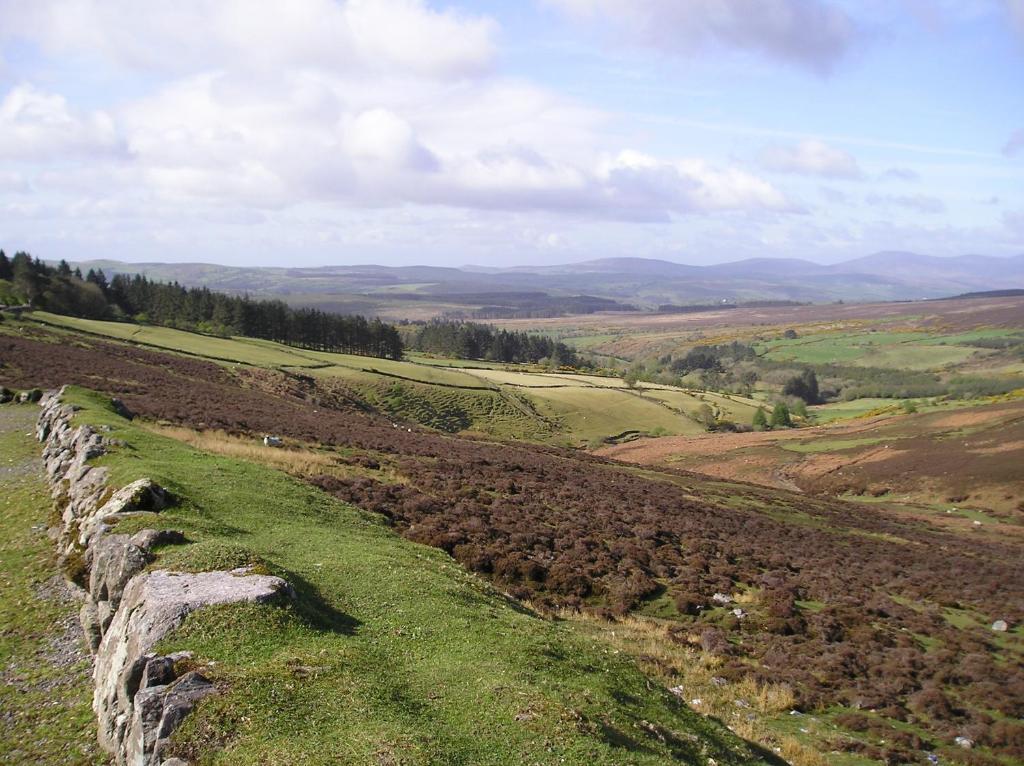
(556, 527)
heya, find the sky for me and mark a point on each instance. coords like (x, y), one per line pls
(504, 132)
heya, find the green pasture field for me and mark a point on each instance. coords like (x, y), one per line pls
(241, 350)
(833, 445)
(522, 403)
(589, 413)
(892, 350)
(392, 653)
(827, 413)
(734, 408)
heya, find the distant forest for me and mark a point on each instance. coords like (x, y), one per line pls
(468, 340)
(65, 291)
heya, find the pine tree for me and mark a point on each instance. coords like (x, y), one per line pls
(6, 272)
(760, 421)
(780, 416)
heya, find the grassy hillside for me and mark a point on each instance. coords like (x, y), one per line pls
(893, 350)
(393, 653)
(509, 401)
(847, 605)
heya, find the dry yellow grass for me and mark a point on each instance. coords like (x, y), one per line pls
(296, 459)
(692, 674)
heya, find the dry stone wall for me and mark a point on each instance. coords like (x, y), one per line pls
(127, 608)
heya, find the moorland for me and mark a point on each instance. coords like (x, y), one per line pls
(596, 562)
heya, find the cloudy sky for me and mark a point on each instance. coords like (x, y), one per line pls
(510, 131)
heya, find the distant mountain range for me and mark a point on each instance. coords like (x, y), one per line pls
(640, 282)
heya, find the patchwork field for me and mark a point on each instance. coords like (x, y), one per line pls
(515, 401)
(637, 335)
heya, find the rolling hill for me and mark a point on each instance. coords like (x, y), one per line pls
(620, 283)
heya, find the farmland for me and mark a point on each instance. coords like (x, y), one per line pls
(636, 335)
(505, 400)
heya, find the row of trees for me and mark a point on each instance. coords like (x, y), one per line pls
(201, 308)
(65, 291)
(467, 340)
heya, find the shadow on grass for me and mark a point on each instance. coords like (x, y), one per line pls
(314, 610)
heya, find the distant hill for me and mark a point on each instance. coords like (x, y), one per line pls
(421, 291)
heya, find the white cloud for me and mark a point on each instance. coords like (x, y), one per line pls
(1015, 143)
(196, 35)
(12, 182)
(40, 126)
(1016, 11)
(501, 146)
(808, 33)
(811, 157)
(259, 111)
(920, 203)
(901, 174)
(384, 141)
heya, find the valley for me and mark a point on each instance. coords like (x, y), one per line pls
(767, 578)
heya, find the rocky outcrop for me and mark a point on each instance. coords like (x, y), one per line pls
(138, 698)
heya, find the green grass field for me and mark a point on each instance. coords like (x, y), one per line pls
(393, 653)
(827, 413)
(594, 413)
(507, 401)
(893, 350)
(240, 350)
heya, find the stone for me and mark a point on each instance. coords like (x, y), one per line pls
(1000, 626)
(113, 560)
(152, 605)
(721, 599)
(126, 610)
(158, 711)
(965, 742)
(148, 538)
(140, 495)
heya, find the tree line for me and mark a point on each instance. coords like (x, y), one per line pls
(469, 340)
(64, 290)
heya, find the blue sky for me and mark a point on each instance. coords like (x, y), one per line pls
(539, 131)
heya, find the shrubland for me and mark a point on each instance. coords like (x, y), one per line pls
(848, 606)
